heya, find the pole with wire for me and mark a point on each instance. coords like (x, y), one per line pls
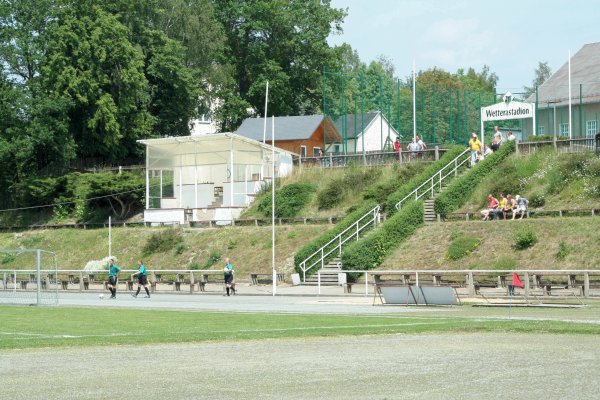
(273, 204)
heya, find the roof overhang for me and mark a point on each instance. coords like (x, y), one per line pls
(213, 149)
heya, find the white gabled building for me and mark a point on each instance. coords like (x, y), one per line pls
(369, 131)
(206, 177)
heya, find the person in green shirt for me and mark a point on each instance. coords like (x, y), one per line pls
(113, 276)
(228, 275)
(142, 275)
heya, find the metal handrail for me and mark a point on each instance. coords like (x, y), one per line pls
(431, 181)
(374, 212)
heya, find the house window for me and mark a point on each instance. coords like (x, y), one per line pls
(563, 129)
(337, 148)
(541, 130)
(204, 119)
(591, 127)
(316, 152)
(302, 151)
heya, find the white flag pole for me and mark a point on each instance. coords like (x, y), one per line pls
(109, 237)
(414, 102)
(273, 203)
(265, 116)
(570, 114)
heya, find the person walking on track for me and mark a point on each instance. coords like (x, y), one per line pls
(142, 275)
(113, 276)
(228, 275)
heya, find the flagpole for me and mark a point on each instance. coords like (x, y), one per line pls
(510, 298)
(273, 204)
(265, 116)
(570, 114)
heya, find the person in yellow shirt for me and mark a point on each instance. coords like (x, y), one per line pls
(475, 146)
(502, 204)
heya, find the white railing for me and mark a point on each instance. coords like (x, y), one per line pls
(371, 218)
(430, 185)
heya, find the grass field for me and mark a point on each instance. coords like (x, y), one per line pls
(31, 327)
(431, 353)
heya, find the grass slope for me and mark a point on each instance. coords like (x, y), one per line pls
(248, 247)
(427, 247)
(563, 181)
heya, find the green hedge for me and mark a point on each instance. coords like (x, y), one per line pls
(289, 200)
(418, 180)
(370, 252)
(316, 244)
(459, 191)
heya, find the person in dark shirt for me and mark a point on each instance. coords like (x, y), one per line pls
(142, 275)
(113, 276)
(228, 276)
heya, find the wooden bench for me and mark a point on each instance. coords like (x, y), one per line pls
(214, 277)
(255, 277)
(478, 286)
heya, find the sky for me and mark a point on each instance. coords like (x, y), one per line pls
(509, 36)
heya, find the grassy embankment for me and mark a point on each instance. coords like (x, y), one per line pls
(554, 182)
(550, 182)
(248, 247)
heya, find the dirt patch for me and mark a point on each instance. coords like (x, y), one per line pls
(472, 366)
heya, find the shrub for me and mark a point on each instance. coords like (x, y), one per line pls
(163, 240)
(308, 249)
(525, 238)
(331, 196)
(418, 180)
(212, 259)
(232, 244)
(370, 252)
(401, 173)
(537, 200)
(462, 246)
(461, 188)
(353, 181)
(289, 200)
(180, 248)
(563, 250)
(7, 258)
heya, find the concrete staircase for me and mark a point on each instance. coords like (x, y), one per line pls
(329, 274)
(430, 215)
(218, 202)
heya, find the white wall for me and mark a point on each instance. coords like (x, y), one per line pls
(164, 216)
(374, 138)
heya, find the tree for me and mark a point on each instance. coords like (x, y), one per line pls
(34, 134)
(192, 24)
(91, 61)
(283, 42)
(483, 81)
(542, 72)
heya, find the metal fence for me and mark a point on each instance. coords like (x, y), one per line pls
(370, 158)
(491, 283)
(579, 145)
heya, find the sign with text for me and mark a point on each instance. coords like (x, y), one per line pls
(507, 110)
